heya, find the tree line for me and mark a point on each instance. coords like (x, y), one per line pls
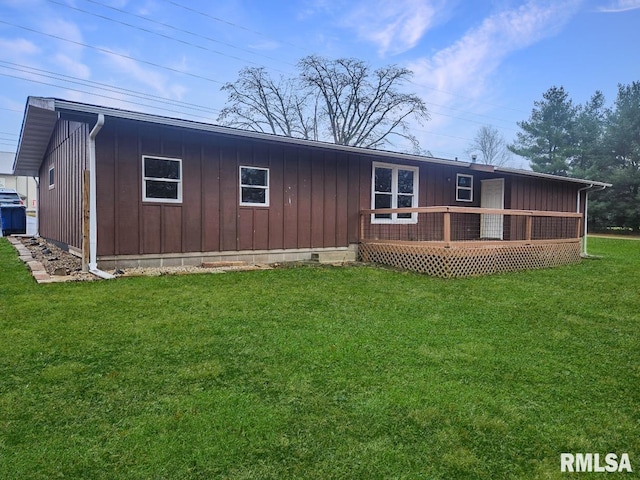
(591, 141)
(345, 101)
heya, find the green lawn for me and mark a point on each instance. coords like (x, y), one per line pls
(321, 373)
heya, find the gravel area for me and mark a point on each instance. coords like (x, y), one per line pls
(56, 262)
(59, 263)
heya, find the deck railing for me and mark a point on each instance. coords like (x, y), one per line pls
(449, 225)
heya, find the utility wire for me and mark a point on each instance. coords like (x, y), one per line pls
(181, 30)
(110, 52)
(235, 25)
(146, 30)
(103, 86)
(103, 96)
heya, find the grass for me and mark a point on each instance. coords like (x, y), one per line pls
(320, 373)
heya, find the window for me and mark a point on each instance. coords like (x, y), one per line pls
(394, 186)
(52, 177)
(254, 186)
(161, 179)
(464, 188)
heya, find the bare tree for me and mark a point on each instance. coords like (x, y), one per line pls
(491, 146)
(341, 101)
(258, 103)
(362, 107)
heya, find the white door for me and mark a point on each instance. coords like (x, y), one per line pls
(492, 196)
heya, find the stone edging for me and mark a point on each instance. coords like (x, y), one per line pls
(37, 269)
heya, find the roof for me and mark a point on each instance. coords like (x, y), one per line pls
(41, 115)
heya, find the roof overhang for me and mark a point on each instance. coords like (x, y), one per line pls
(38, 123)
(41, 115)
(528, 173)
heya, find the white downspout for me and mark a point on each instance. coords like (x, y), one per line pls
(93, 204)
(37, 180)
(586, 201)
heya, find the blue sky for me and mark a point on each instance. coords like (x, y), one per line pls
(475, 62)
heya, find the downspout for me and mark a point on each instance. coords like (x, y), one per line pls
(37, 180)
(586, 202)
(93, 204)
(586, 206)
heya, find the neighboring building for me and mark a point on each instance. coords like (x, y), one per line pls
(25, 186)
(171, 191)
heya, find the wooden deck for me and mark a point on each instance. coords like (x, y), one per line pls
(450, 241)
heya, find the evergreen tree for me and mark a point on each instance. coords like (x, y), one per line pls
(620, 205)
(548, 137)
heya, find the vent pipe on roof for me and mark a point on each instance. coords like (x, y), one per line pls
(93, 208)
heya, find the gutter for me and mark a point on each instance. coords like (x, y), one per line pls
(93, 209)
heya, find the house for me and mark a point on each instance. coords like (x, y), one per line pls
(125, 189)
(25, 186)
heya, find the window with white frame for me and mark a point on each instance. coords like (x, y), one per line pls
(254, 186)
(394, 186)
(52, 177)
(161, 179)
(464, 188)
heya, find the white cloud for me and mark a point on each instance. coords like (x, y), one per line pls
(460, 76)
(157, 82)
(64, 29)
(71, 66)
(265, 45)
(394, 27)
(18, 47)
(620, 6)
(467, 65)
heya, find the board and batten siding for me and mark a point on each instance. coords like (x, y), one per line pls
(60, 207)
(529, 193)
(315, 194)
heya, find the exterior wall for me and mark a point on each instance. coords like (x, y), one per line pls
(527, 193)
(315, 195)
(60, 212)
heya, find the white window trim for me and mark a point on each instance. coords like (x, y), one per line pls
(178, 181)
(459, 188)
(264, 187)
(52, 168)
(394, 192)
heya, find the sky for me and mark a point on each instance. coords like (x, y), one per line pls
(474, 62)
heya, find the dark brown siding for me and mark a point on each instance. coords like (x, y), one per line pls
(528, 193)
(315, 195)
(60, 210)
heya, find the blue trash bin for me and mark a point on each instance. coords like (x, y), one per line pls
(13, 219)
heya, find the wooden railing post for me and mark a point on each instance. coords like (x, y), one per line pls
(447, 228)
(361, 226)
(528, 223)
(579, 227)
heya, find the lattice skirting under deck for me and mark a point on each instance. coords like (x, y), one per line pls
(460, 261)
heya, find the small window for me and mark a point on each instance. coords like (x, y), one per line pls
(464, 188)
(161, 179)
(52, 177)
(254, 186)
